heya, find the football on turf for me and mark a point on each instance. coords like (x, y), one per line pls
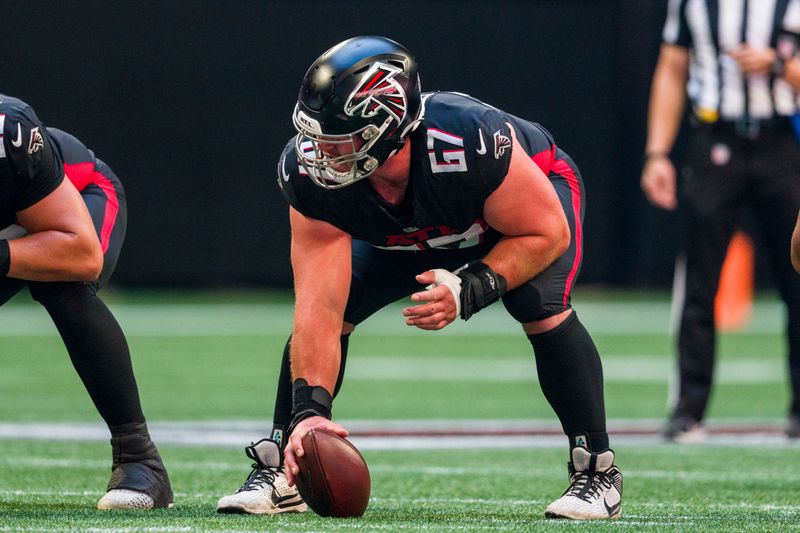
(333, 478)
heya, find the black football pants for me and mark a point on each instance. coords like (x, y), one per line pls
(725, 173)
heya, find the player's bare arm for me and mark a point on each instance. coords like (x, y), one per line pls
(667, 101)
(525, 208)
(795, 253)
(62, 244)
(321, 266)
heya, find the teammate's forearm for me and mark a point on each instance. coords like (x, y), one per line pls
(55, 256)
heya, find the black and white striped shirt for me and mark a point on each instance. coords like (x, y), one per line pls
(717, 88)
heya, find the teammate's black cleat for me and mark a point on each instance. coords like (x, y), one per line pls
(138, 477)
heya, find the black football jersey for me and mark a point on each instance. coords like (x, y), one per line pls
(460, 153)
(30, 166)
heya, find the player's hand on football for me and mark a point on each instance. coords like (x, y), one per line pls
(658, 182)
(294, 444)
(437, 303)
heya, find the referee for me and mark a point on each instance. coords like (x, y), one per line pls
(736, 60)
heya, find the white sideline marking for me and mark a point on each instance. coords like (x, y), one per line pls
(671, 506)
(647, 369)
(223, 319)
(389, 436)
(415, 470)
(154, 529)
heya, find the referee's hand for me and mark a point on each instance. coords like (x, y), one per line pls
(658, 182)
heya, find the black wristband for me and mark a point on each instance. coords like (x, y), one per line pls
(5, 257)
(480, 287)
(308, 401)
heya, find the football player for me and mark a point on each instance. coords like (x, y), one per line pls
(62, 238)
(394, 192)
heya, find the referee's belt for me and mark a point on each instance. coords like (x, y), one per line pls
(747, 127)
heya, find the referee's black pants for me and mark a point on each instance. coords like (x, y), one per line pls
(725, 173)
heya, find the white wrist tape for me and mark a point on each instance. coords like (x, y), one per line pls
(452, 282)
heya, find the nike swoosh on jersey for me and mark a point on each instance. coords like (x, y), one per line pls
(284, 174)
(482, 149)
(18, 142)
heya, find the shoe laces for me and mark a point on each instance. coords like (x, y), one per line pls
(261, 475)
(587, 485)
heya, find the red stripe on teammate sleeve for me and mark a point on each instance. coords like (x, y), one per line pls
(82, 175)
(562, 168)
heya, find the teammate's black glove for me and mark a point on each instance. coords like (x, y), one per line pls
(308, 401)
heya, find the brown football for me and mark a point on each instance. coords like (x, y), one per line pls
(333, 478)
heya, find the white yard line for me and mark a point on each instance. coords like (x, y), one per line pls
(456, 435)
(220, 319)
(639, 369)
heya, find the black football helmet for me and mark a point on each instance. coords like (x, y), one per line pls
(358, 102)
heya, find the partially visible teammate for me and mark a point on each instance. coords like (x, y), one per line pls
(391, 189)
(62, 238)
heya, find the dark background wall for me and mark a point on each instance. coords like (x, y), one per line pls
(190, 101)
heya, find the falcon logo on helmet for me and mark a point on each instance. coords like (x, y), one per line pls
(378, 90)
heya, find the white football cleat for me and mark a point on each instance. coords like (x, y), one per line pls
(595, 490)
(266, 490)
(125, 499)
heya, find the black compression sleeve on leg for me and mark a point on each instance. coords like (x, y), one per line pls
(571, 377)
(283, 401)
(5, 257)
(97, 347)
(282, 417)
(344, 341)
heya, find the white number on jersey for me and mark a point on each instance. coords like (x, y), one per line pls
(454, 160)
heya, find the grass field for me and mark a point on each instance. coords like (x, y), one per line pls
(207, 364)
